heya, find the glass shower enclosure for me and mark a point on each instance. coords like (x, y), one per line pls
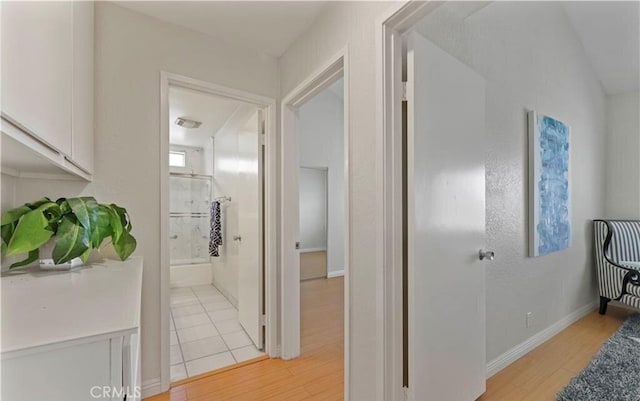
(190, 199)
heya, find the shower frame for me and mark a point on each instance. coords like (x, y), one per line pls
(192, 214)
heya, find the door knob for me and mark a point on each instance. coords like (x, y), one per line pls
(489, 255)
(237, 238)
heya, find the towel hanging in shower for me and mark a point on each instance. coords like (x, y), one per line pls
(215, 233)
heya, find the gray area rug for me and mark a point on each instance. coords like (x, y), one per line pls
(614, 372)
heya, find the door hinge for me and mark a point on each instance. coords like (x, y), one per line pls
(263, 320)
(405, 96)
(262, 141)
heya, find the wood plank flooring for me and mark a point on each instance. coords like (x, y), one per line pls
(318, 374)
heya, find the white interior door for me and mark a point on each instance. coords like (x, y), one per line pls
(446, 225)
(250, 257)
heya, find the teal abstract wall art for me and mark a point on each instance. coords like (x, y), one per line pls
(549, 185)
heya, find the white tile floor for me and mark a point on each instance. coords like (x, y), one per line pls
(205, 332)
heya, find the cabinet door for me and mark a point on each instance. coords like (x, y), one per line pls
(37, 66)
(82, 106)
(79, 372)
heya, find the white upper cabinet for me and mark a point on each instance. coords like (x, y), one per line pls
(82, 106)
(47, 81)
(37, 66)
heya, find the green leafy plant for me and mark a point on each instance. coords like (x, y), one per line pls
(78, 225)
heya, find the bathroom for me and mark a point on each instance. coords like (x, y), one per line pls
(215, 227)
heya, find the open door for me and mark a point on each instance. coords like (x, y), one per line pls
(250, 227)
(445, 225)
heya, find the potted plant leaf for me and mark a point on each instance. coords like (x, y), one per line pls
(77, 225)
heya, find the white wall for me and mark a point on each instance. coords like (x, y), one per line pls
(532, 60)
(623, 161)
(208, 158)
(321, 144)
(232, 173)
(225, 267)
(8, 190)
(130, 51)
(312, 183)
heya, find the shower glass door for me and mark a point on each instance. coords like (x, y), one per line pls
(190, 197)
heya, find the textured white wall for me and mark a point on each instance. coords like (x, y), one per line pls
(321, 144)
(130, 51)
(623, 156)
(531, 59)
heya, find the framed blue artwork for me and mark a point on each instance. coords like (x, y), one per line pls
(549, 185)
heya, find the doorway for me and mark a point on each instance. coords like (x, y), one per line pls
(315, 210)
(218, 209)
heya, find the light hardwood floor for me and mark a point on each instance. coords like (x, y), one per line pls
(318, 373)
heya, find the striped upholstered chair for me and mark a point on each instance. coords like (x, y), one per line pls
(617, 251)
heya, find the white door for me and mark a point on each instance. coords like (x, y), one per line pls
(250, 256)
(446, 225)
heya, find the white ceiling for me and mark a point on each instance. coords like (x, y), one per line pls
(610, 34)
(266, 26)
(213, 111)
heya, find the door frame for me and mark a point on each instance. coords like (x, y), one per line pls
(330, 71)
(390, 27)
(168, 79)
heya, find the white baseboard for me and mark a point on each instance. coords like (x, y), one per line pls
(335, 273)
(537, 339)
(151, 387)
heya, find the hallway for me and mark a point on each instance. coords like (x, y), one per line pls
(318, 374)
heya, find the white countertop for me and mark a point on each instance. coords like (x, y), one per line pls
(41, 308)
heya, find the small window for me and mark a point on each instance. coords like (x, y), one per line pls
(177, 159)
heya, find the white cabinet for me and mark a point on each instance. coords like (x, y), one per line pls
(37, 68)
(72, 336)
(82, 95)
(47, 81)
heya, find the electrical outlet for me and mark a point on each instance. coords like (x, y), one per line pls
(529, 319)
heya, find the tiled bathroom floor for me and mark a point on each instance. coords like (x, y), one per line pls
(205, 332)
